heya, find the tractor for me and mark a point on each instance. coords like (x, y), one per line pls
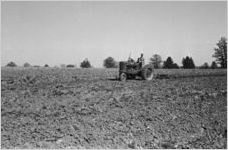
(131, 69)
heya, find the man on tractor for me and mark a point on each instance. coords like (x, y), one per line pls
(141, 60)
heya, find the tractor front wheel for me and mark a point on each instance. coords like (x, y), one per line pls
(147, 72)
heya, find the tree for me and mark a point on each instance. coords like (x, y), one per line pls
(188, 63)
(11, 64)
(85, 64)
(27, 65)
(156, 60)
(214, 65)
(110, 63)
(169, 64)
(221, 52)
(46, 65)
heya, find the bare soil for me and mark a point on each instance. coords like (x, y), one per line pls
(89, 108)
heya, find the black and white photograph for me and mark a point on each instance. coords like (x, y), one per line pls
(113, 74)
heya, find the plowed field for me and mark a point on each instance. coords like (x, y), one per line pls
(89, 108)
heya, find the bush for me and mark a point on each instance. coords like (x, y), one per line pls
(204, 66)
(85, 64)
(62, 66)
(11, 64)
(110, 63)
(175, 66)
(214, 65)
(27, 65)
(70, 66)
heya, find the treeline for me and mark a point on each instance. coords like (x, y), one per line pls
(108, 63)
(220, 55)
(84, 64)
(155, 60)
(187, 63)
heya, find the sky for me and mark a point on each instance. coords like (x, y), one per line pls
(58, 32)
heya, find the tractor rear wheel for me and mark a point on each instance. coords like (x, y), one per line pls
(147, 73)
(123, 76)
